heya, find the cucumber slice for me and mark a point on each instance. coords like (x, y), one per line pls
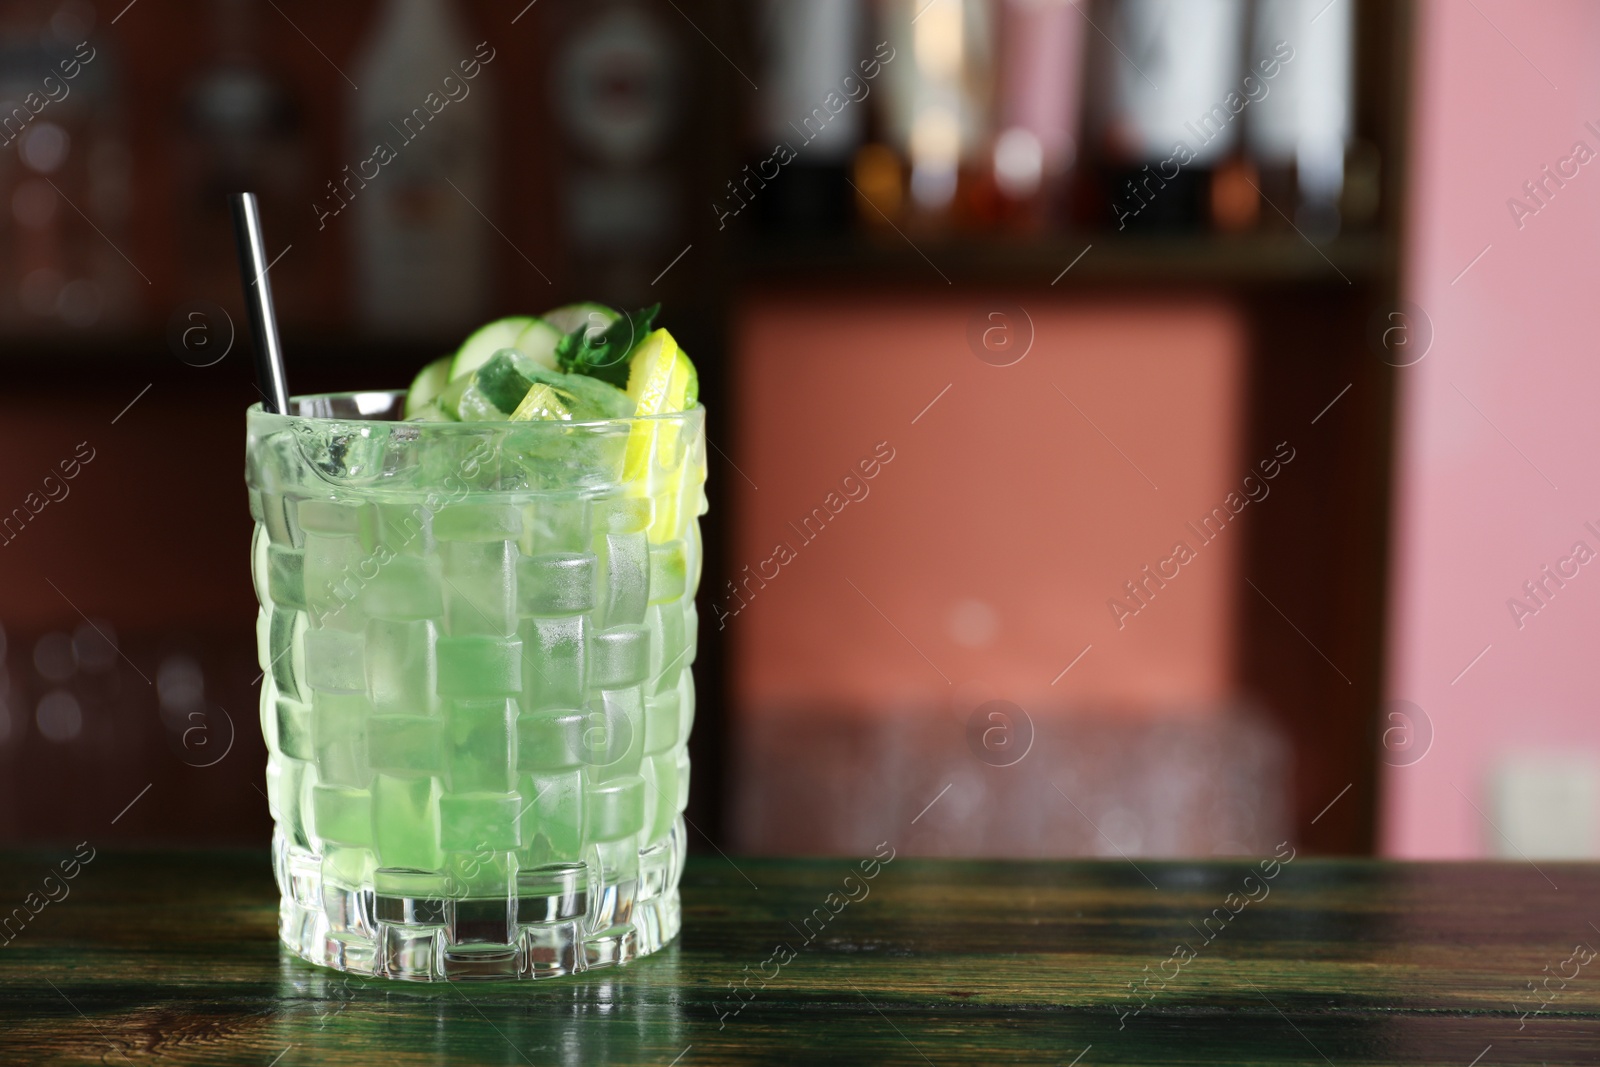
(569, 318)
(538, 342)
(428, 385)
(429, 412)
(488, 340)
(449, 401)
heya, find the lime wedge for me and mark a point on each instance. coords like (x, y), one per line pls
(484, 343)
(542, 402)
(661, 380)
(428, 385)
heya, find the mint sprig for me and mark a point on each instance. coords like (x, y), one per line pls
(603, 354)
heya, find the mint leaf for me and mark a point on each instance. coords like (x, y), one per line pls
(604, 354)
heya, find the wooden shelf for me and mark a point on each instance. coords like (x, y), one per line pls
(913, 259)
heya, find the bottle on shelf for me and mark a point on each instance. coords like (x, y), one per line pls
(1039, 72)
(620, 92)
(64, 180)
(242, 129)
(1299, 132)
(420, 189)
(811, 115)
(938, 104)
(1167, 88)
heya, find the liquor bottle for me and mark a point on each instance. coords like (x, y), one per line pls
(419, 184)
(620, 95)
(812, 112)
(65, 177)
(1168, 90)
(939, 84)
(242, 130)
(1299, 131)
(1040, 70)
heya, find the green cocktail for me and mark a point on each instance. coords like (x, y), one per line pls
(476, 639)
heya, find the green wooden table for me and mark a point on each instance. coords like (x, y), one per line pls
(162, 958)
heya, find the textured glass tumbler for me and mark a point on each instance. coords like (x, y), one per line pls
(475, 641)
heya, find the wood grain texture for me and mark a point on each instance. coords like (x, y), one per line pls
(161, 958)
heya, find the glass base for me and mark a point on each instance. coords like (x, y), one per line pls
(561, 920)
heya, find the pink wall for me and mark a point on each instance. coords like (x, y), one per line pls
(1516, 335)
(1005, 521)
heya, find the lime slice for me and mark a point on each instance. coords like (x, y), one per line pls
(488, 340)
(428, 385)
(542, 402)
(566, 319)
(661, 381)
(538, 342)
(660, 376)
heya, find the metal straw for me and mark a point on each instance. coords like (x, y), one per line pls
(258, 300)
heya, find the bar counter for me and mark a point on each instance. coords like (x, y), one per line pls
(173, 958)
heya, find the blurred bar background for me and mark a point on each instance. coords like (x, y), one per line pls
(997, 303)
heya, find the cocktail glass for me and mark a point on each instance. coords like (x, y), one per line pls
(475, 641)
